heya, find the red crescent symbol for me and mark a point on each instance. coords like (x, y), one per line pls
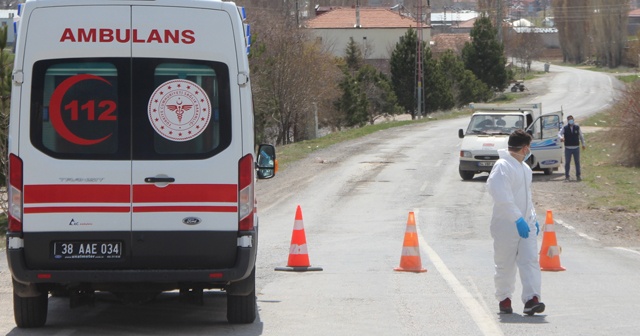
(56, 116)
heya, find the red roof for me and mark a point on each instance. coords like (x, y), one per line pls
(634, 13)
(369, 18)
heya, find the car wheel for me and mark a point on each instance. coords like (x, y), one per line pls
(547, 171)
(30, 312)
(241, 308)
(466, 175)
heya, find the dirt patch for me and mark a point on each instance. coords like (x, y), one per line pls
(569, 202)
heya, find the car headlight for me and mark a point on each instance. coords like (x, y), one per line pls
(465, 154)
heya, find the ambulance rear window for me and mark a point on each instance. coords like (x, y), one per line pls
(79, 108)
(123, 109)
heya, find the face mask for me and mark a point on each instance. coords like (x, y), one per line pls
(571, 122)
(526, 157)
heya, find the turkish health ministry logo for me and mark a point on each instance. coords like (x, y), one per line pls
(179, 110)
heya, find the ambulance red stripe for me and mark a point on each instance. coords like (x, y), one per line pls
(181, 193)
(80, 193)
(185, 209)
(76, 209)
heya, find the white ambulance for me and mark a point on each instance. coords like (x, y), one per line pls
(131, 152)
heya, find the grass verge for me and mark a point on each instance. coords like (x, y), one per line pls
(292, 152)
(614, 186)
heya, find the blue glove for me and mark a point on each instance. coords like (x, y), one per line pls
(523, 228)
(537, 228)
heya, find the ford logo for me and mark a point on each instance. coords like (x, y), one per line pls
(191, 221)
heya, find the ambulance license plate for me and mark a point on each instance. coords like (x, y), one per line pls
(63, 250)
(485, 164)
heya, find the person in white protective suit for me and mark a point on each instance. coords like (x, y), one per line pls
(513, 224)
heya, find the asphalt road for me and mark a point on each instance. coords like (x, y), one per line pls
(355, 199)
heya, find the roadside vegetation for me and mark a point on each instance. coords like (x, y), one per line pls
(615, 186)
(292, 152)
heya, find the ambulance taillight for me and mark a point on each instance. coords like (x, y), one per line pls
(15, 194)
(245, 193)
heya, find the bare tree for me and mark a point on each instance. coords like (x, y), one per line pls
(526, 47)
(572, 19)
(626, 122)
(609, 30)
(6, 67)
(292, 76)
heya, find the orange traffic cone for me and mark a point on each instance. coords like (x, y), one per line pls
(298, 255)
(550, 251)
(410, 260)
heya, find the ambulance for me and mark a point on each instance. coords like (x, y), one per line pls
(132, 160)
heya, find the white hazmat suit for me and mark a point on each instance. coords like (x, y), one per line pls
(509, 184)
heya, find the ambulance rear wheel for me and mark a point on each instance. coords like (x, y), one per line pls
(30, 312)
(241, 309)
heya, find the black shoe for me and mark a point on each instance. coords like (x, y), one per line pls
(533, 306)
(505, 306)
(579, 179)
(566, 179)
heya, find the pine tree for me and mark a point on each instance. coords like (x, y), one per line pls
(462, 83)
(437, 92)
(353, 59)
(403, 73)
(484, 55)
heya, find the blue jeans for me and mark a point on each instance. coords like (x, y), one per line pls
(568, 152)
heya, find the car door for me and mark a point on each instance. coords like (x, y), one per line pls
(186, 139)
(75, 139)
(546, 147)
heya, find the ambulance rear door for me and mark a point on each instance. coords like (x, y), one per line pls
(74, 137)
(187, 142)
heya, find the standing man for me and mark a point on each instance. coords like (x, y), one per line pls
(572, 136)
(513, 219)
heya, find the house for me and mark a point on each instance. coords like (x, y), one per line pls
(443, 42)
(377, 29)
(7, 17)
(448, 22)
(633, 24)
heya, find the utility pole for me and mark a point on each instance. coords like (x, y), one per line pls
(419, 78)
(499, 20)
(297, 14)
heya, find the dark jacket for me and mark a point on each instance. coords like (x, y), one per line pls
(572, 138)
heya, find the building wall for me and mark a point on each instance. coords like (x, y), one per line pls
(380, 42)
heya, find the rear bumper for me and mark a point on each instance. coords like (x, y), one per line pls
(474, 166)
(106, 278)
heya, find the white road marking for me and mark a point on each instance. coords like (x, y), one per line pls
(586, 236)
(627, 250)
(424, 186)
(571, 228)
(485, 322)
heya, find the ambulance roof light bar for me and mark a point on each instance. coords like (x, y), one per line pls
(247, 27)
(16, 19)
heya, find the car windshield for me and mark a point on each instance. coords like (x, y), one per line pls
(494, 124)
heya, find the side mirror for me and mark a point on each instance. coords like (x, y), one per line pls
(266, 163)
(460, 133)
